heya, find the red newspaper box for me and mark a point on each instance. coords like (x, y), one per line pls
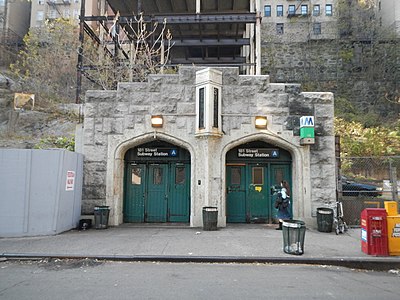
(374, 239)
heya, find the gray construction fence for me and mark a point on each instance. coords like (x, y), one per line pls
(40, 191)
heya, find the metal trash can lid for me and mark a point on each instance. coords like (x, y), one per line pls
(101, 207)
(293, 224)
(325, 211)
(210, 208)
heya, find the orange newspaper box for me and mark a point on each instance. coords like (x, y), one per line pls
(374, 239)
(393, 224)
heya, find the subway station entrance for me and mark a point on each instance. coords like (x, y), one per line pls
(157, 184)
(253, 175)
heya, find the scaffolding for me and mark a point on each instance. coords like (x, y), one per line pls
(204, 33)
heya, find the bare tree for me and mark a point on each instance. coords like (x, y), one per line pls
(129, 52)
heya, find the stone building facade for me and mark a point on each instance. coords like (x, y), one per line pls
(208, 149)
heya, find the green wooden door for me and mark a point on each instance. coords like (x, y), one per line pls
(135, 181)
(156, 200)
(236, 194)
(179, 193)
(157, 193)
(278, 174)
(258, 194)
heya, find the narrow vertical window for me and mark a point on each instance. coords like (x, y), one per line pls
(180, 175)
(278, 175)
(316, 10)
(136, 176)
(258, 175)
(304, 10)
(279, 10)
(279, 28)
(157, 176)
(236, 175)
(292, 10)
(201, 108)
(267, 10)
(328, 10)
(216, 108)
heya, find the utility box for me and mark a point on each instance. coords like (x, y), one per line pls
(393, 225)
(374, 238)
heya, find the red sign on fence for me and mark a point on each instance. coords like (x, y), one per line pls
(70, 183)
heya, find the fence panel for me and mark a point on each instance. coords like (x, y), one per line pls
(366, 182)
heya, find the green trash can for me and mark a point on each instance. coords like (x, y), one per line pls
(210, 218)
(293, 236)
(324, 219)
(101, 214)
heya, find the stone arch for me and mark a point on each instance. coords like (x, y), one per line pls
(115, 169)
(300, 168)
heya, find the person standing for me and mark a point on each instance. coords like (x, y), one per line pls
(282, 203)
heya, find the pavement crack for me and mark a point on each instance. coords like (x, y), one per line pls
(163, 250)
(10, 287)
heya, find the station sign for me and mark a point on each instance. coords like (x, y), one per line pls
(307, 121)
(257, 153)
(157, 152)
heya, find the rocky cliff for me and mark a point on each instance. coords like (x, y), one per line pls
(25, 128)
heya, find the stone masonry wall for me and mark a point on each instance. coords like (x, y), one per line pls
(117, 120)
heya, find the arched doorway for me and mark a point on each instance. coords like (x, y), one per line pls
(254, 171)
(156, 183)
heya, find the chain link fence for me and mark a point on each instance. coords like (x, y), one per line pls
(366, 182)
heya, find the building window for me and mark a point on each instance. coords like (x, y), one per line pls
(216, 108)
(292, 10)
(180, 175)
(267, 10)
(304, 10)
(40, 2)
(2, 3)
(157, 176)
(236, 176)
(279, 28)
(317, 28)
(40, 16)
(257, 175)
(328, 10)
(136, 176)
(201, 107)
(67, 14)
(76, 1)
(76, 13)
(52, 14)
(279, 10)
(316, 10)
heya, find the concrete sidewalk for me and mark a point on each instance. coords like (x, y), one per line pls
(235, 243)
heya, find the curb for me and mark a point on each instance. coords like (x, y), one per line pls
(379, 264)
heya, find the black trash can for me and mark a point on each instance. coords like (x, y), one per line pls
(101, 214)
(293, 236)
(210, 218)
(324, 219)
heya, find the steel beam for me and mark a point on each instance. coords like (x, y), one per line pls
(210, 42)
(184, 18)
